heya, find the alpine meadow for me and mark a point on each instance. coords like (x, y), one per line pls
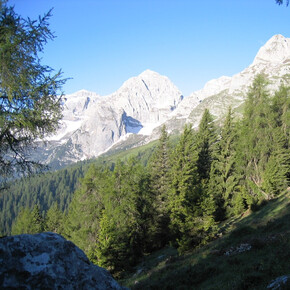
(164, 191)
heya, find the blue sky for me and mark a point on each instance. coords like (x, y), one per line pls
(102, 43)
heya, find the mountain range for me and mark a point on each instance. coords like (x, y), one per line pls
(132, 116)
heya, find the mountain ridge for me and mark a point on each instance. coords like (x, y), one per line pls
(92, 124)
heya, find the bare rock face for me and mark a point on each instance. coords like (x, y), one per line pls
(48, 261)
(93, 124)
(273, 60)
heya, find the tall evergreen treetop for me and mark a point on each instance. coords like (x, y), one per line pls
(224, 176)
(184, 175)
(159, 165)
(160, 184)
(205, 138)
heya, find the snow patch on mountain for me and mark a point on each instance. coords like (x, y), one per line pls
(148, 128)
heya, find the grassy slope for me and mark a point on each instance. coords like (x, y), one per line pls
(267, 231)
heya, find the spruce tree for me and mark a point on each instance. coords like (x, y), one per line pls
(276, 176)
(205, 138)
(28, 222)
(224, 176)
(54, 219)
(160, 182)
(125, 223)
(183, 195)
(204, 224)
(82, 222)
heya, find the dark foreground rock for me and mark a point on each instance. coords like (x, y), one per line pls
(48, 261)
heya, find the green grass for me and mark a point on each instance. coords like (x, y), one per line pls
(266, 230)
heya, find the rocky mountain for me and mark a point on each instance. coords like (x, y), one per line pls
(93, 124)
(273, 59)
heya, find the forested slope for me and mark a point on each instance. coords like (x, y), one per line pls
(252, 251)
(127, 210)
(43, 190)
(57, 187)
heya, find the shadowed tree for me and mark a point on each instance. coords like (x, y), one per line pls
(224, 178)
(160, 182)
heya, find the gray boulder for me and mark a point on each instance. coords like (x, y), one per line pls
(48, 261)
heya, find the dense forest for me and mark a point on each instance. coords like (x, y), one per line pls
(120, 213)
(58, 187)
(43, 190)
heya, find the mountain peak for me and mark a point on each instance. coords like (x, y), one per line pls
(276, 50)
(151, 81)
(149, 73)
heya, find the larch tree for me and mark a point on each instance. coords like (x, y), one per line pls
(255, 136)
(30, 102)
(263, 143)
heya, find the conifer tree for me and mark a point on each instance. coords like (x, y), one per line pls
(82, 223)
(30, 105)
(276, 176)
(224, 177)
(54, 219)
(160, 182)
(261, 140)
(110, 250)
(205, 138)
(203, 224)
(28, 222)
(125, 222)
(255, 141)
(22, 222)
(183, 195)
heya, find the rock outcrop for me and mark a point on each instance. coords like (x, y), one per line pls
(48, 261)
